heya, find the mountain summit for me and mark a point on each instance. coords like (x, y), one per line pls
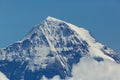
(51, 48)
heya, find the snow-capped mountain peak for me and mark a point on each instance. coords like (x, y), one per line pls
(53, 46)
(83, 34)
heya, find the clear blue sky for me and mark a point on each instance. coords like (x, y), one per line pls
(100, 17)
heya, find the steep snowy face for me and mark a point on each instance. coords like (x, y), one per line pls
(57, 31)
(59, 40)
(51, 48)
(60, 34)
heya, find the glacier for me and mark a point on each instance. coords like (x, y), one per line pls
(52, 48)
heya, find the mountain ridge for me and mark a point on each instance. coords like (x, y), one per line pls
(51, 48)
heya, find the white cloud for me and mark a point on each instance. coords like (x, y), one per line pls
(3, 77)
(89, 69)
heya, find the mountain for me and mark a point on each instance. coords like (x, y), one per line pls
(51, 48)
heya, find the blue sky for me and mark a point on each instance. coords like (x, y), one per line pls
(100, 17)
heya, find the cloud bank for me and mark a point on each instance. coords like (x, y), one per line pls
(89, 69)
